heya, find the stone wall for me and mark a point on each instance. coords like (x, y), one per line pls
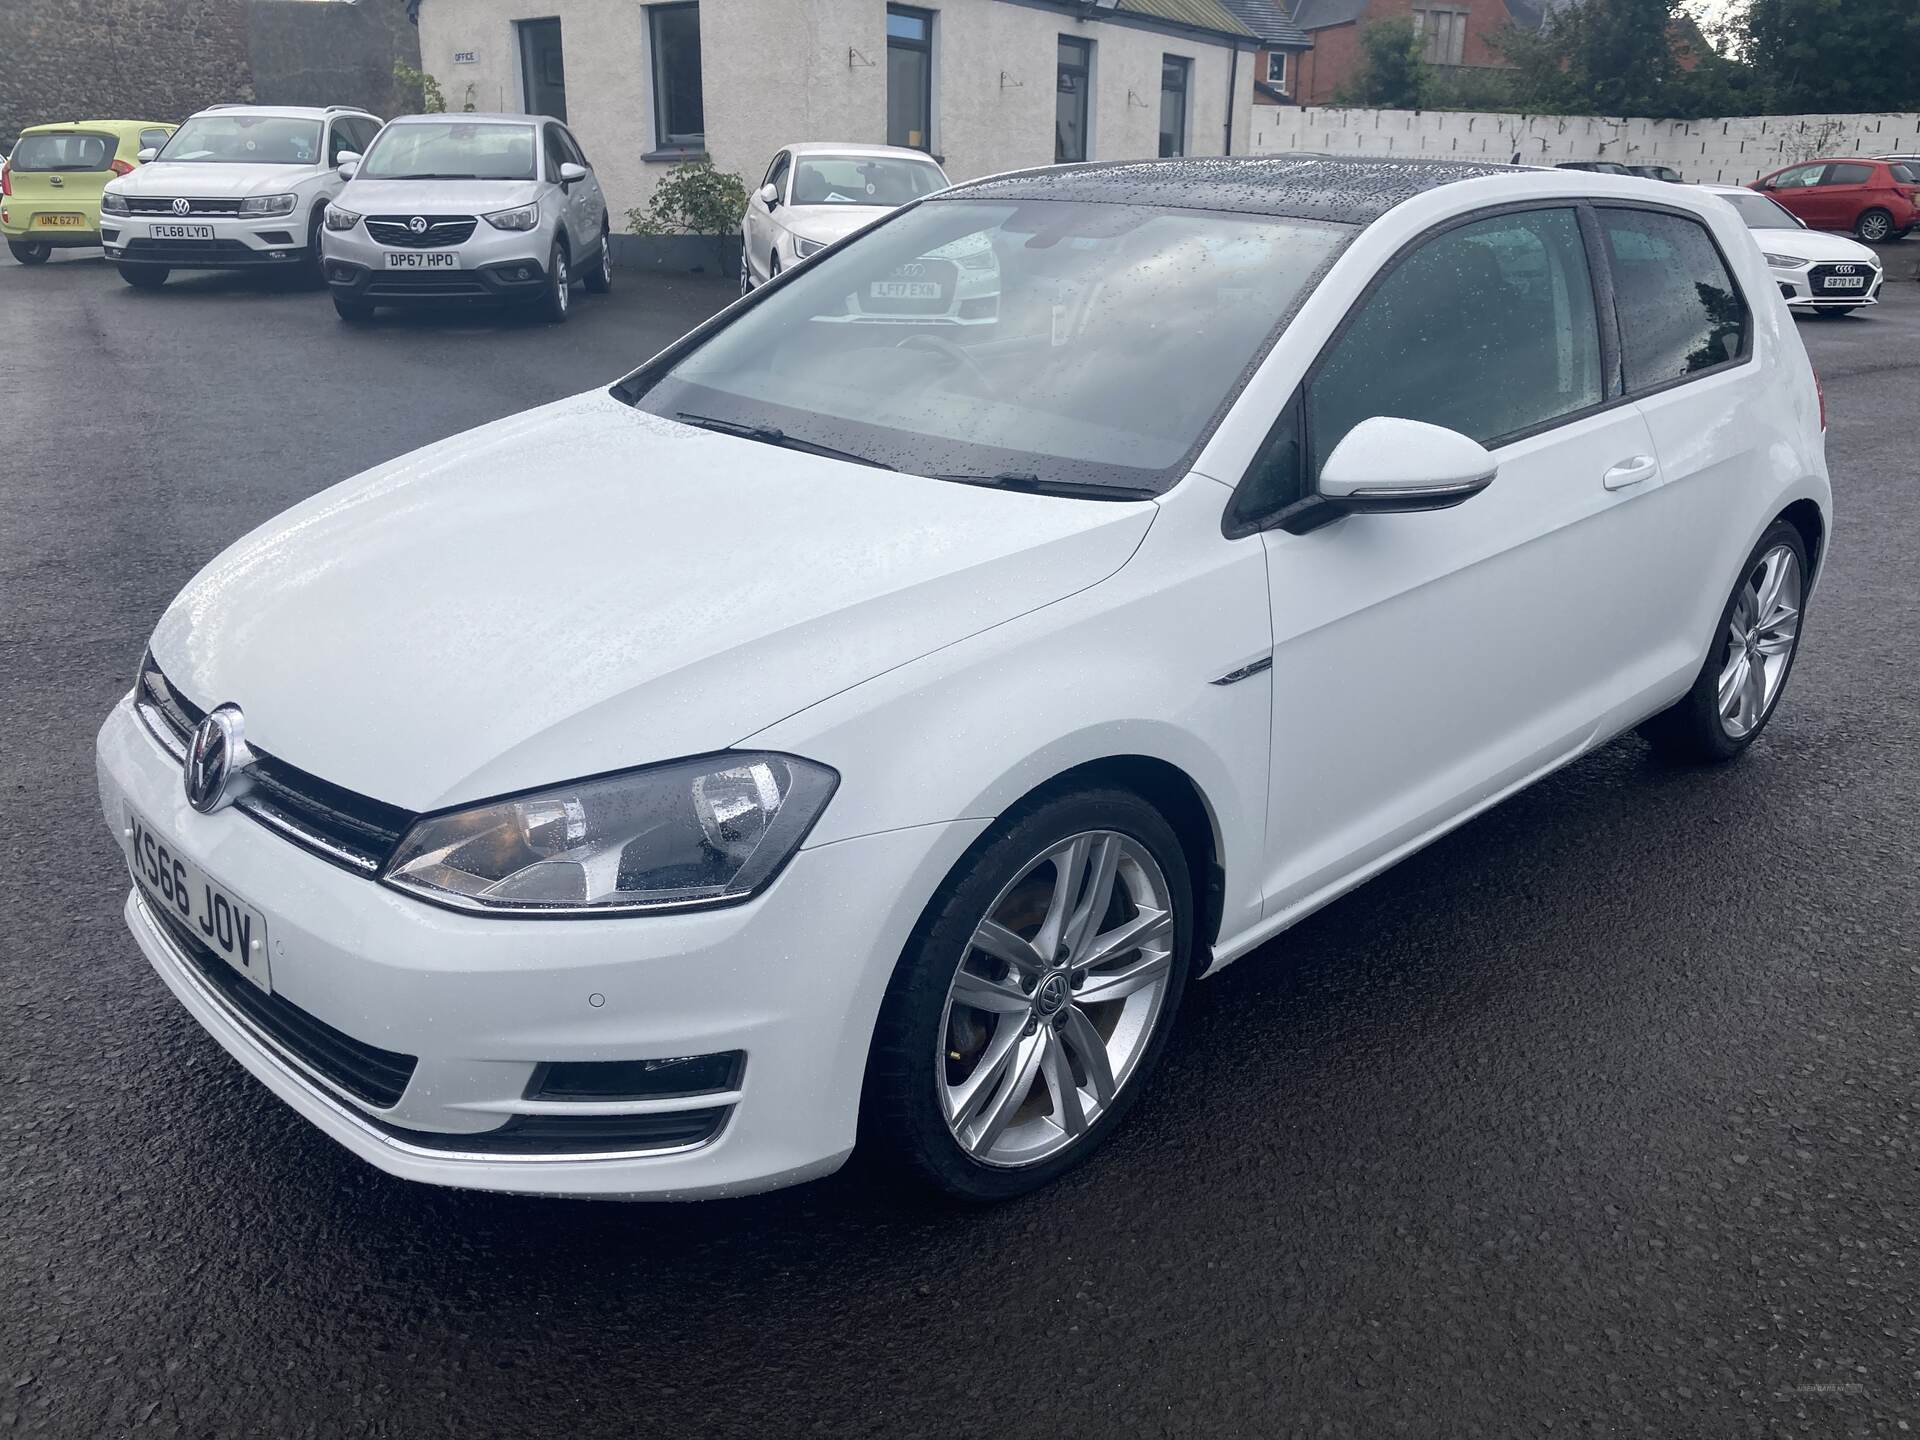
(164, 59)
(119, 59)
(1730, 151)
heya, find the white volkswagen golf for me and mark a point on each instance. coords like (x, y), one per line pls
(847, 731)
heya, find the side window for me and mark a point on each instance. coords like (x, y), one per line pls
(1487, 328)
(1848, 175)
(777, 176)
(1799, 178)
(572, 146)
(152, 139)
(556, 152)
(337, 140)
(1680, 311)
(364, 130)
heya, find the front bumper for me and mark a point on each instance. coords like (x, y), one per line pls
(792, 980)
(1805, 286)
(505, 265)
(228, 242)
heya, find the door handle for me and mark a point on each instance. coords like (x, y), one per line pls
(1630, 472)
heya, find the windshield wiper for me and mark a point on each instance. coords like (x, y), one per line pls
(1030, 484)
(774, 435)
(425, 177)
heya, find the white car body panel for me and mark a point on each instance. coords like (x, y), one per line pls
(585, 588)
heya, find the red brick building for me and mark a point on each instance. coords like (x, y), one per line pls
(1454, 33)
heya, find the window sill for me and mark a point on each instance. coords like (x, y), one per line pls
(674, 154)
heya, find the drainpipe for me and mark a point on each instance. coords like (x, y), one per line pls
(1233, 87)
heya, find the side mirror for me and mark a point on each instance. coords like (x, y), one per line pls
(349, 163)
(146, 155)
(1387, 464)
(770, 195)
(570, 172)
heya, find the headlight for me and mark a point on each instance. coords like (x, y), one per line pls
(338, 219)
(523, 217)
(268, 205)
(689, 833)
(803, 247)
(111, 204)
(1784, 262)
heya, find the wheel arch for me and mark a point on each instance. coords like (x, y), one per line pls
(1805, 516)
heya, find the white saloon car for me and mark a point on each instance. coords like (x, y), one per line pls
(1817, 272)
(816, 194)
(839, 732)
(237, 187)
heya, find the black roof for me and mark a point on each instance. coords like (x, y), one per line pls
(1352, 189)
(1270, 21)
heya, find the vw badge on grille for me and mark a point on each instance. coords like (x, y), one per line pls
(216, 758)
(418, 224)
(182, 207)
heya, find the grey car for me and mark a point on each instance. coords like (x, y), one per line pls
(467, 208)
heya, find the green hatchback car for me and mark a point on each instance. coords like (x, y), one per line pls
(50, 185)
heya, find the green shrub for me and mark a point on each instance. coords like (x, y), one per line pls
(695, 199)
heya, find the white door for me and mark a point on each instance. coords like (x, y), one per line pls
(1425, 663)
(760, 228)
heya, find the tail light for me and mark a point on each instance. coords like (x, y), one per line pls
(1821, 391)
(122, 167)
(6, 177)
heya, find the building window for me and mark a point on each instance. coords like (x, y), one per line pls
(1443, 34)
(1070, 101)
(910, 78)
(1277, 70)
(679, 117)
(1173, 105)
(543, 70)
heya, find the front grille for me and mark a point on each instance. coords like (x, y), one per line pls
(366, 1072)
(350, 830)
(150, 205)
(436, 284)
(441, 231)
(196, 252)
(1821, 277)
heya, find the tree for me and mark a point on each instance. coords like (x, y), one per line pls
(1392, 75)
(1832, 56)
(1621, 57)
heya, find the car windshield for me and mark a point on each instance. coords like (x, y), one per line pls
(245, 140)
(63, 150)
(862, 180)
(451, 150)
(1038, 343)
(1760, 213)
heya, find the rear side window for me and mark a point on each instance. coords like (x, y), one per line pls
(1487, 329)
(64, 150)
(1906, 174)
(1848, 174)
(1680, 312)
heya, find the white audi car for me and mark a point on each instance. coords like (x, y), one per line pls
(816, 194)
(838, 733)
(1817, 272)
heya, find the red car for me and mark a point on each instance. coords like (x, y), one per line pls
(1876, 199)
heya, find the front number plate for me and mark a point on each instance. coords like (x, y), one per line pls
(904, 290)
(1845, 282)
(423, 260)
(179, 889)
(180, 232)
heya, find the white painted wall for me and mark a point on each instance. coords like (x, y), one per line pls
(774, 72)
(1731, 150)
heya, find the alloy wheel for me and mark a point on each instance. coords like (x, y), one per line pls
(562, 282)
(1056, 1000)
(746, 275)
(1760, 640)
(1875, 228)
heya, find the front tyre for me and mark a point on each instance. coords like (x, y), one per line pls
(354, 312)
(144, 277)
(1034, 998)
(1750, 658)
(556, 304)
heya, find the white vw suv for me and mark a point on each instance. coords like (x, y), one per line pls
(468, 207)
(237, 187)
(851, 730)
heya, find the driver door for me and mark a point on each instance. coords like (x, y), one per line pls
(759, 221)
